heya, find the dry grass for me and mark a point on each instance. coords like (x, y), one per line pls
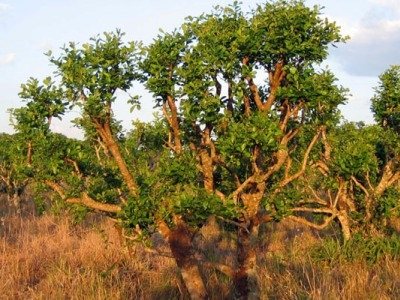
(287, 272)
(300, 278)
(49, 258)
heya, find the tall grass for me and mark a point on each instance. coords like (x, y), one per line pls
(359, 248)
(50, 258)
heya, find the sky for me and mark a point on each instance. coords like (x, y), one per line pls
(30, 28)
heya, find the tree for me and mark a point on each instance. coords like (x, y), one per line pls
(32, 122)
(360, 169)
(14, 171)
(385, 103)
(352, 180)
(243, 108)
(240, 133)
(91, 76)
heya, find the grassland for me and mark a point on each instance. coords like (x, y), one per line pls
(50, 257)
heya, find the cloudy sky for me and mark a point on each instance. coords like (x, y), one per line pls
(30, 28)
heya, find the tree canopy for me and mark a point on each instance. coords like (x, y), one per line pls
(248, 131)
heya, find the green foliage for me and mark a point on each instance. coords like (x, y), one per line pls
(40, 205)
(146, 139)
(291, 31)
(161, 57)
(79, 213)
(14, 171)
(385, 103)
(354, 150)
(389, 204)
(179, 170)
(93, 73)
(319, 94)
(282, 203)
(357, 249)
(43, 102)
(236, 142)
(140, 212)
(13, 156)
(196, 205)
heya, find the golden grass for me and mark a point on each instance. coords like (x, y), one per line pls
(49, 258)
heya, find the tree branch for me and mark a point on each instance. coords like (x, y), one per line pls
(313, 225)
(360, 186)
(313, 210)
(286, 181)
(277, 78)
(75, 165)
(85, 199)
(90, 203)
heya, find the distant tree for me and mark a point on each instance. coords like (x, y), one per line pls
(386, 101)
(14, 169)
(353, 180)
(360, 168)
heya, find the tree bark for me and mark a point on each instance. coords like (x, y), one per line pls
(93, 204)
(174, 123)
(15, 200)
(85, 199)
(207, 170)
(29, 154)
(345, 225)
(111, 144)
(245, 281)
(180, 242)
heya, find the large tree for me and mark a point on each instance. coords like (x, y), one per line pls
(244, 104)
(238, 92)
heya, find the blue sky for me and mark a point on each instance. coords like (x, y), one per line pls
(30, 28)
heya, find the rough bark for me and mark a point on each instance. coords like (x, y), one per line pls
(345, 225)
(275, 79)
(29, 154)
(181, 245)
(174, 123)
(109, 140)
(245, 280)
(15, 200)
(207, 170)
(93, 204)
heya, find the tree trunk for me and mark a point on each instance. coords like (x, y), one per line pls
(180, 242)
(29, 154)
(15, 200)
(245, 281)
(174, 123)
(345, 225)
(113, 147)
(369, 206)
(207, 170)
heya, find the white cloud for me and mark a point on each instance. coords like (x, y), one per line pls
(375, 41)
(393, 4)
(7, 59)
(4, 7)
